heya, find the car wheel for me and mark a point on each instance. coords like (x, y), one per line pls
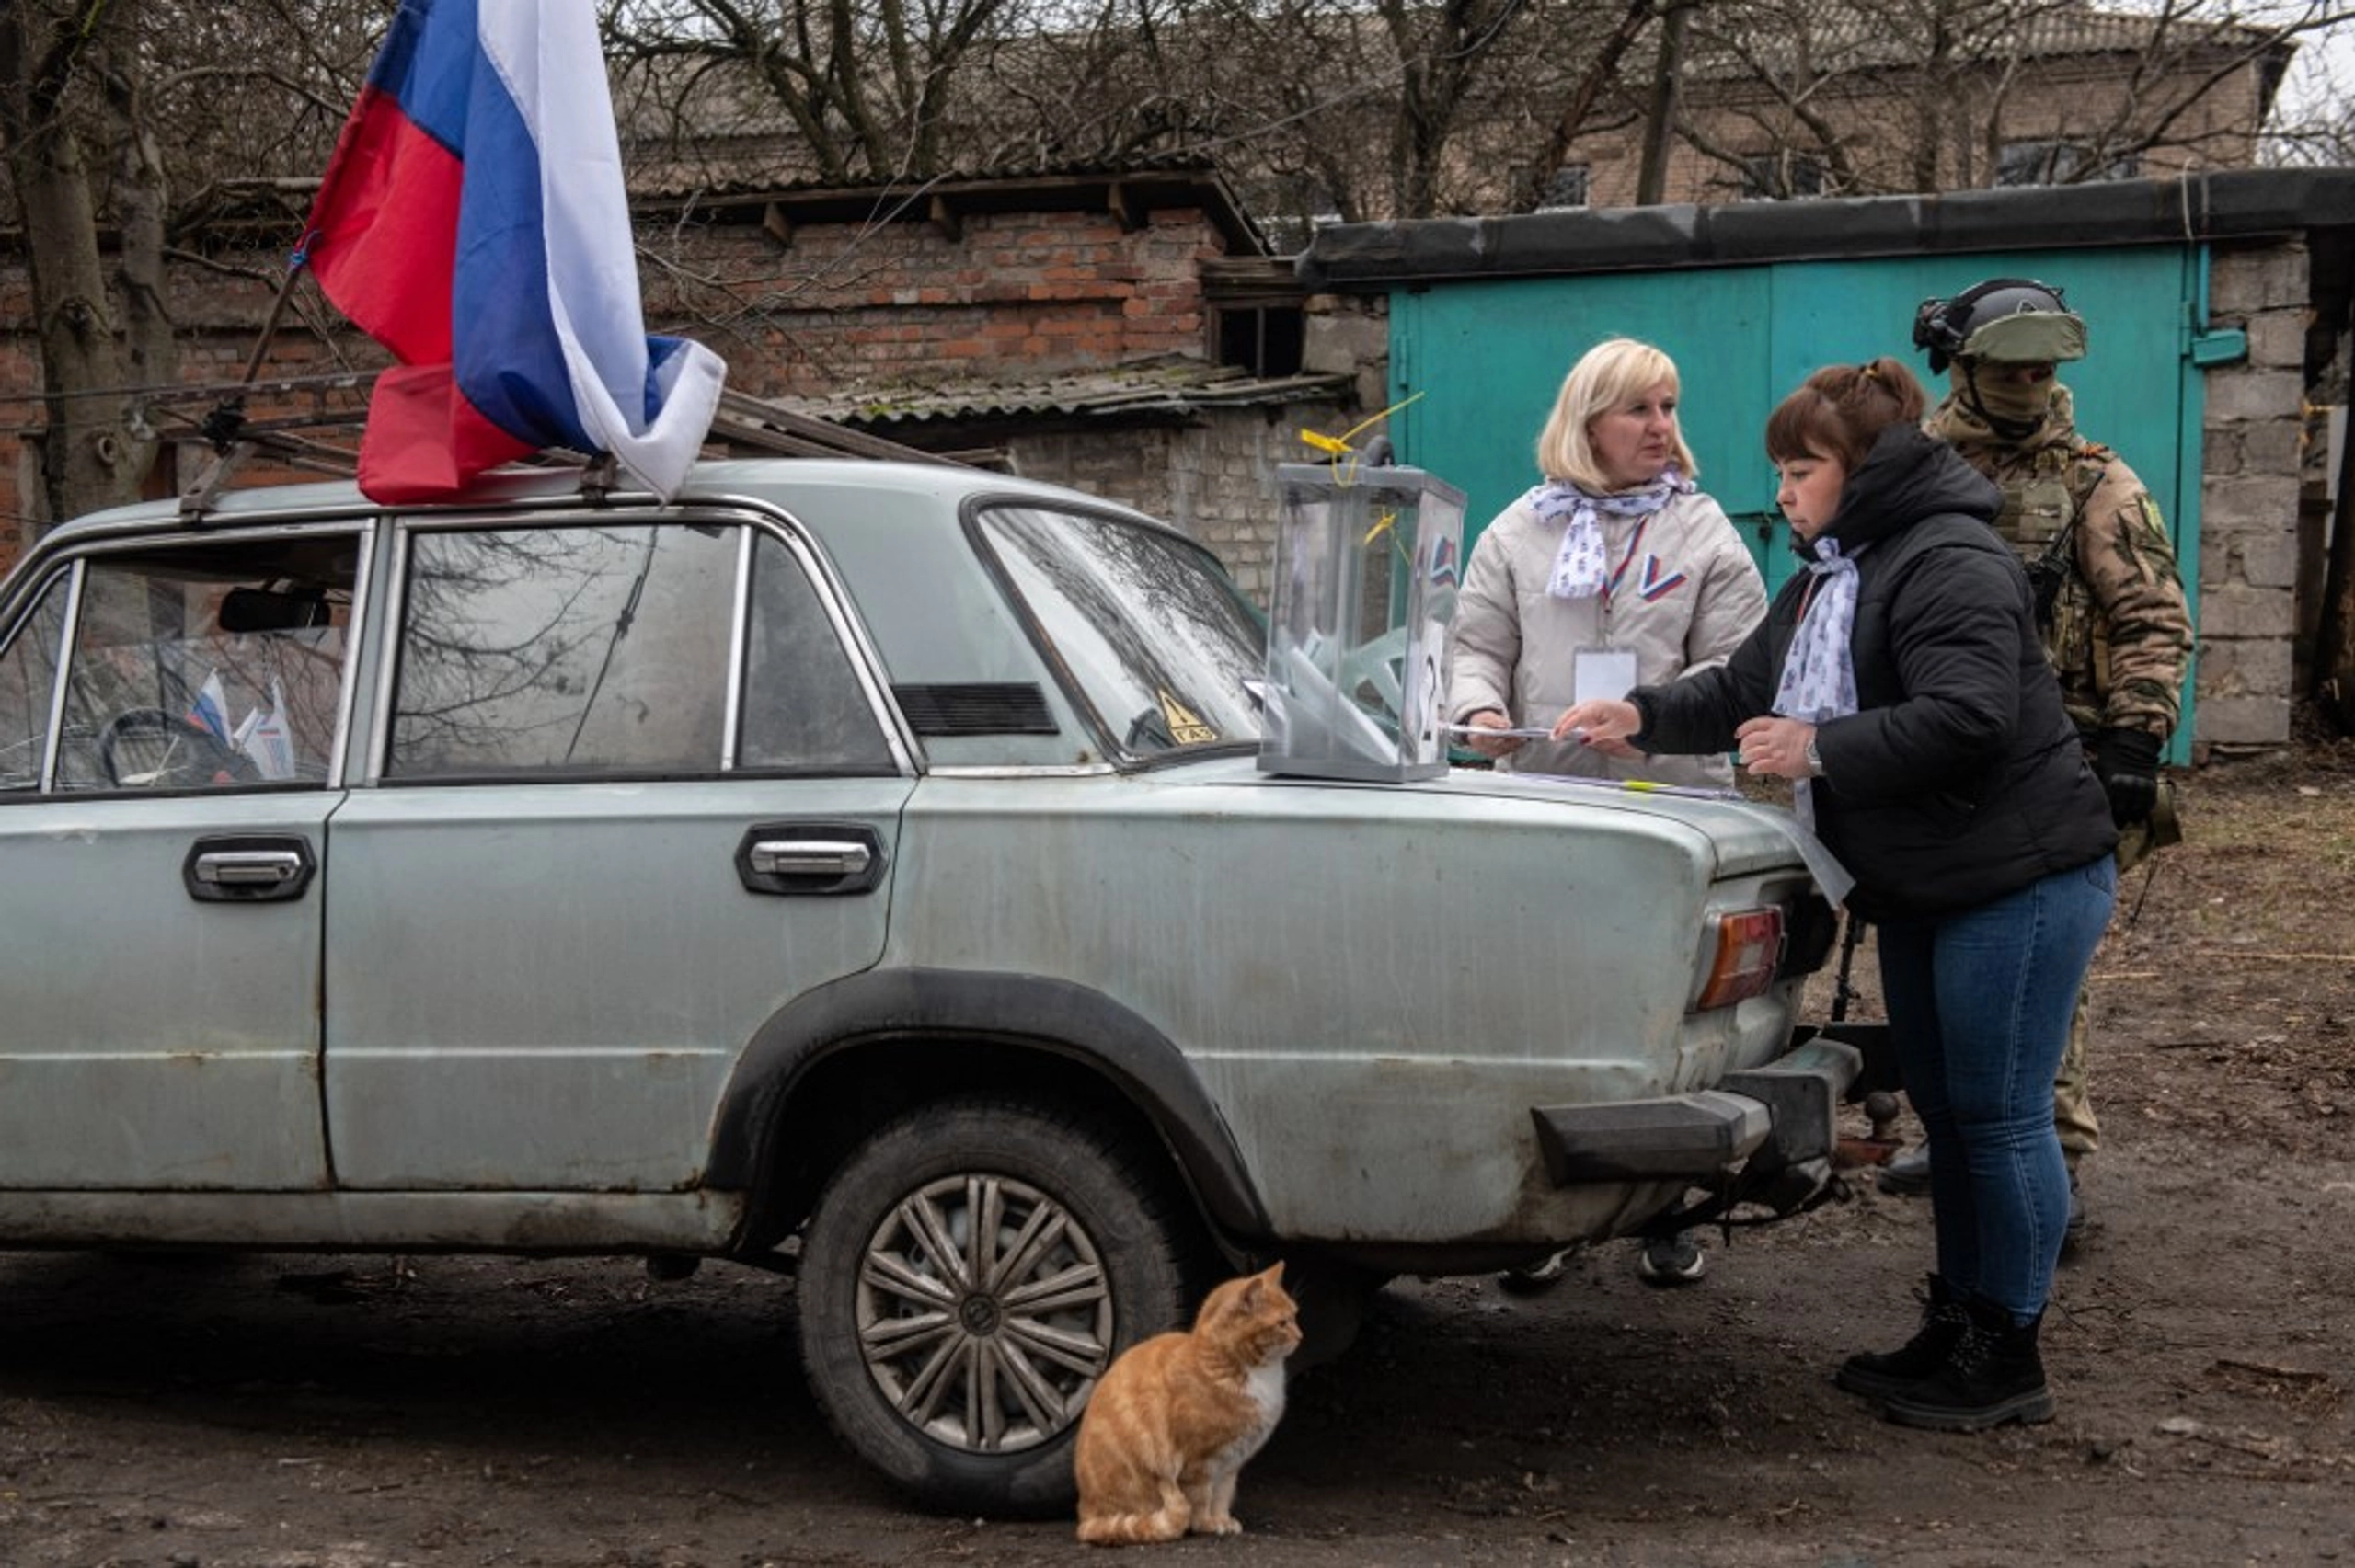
(967, 1274)
(1334, 1298)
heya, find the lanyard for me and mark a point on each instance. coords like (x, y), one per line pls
(1807, 596)
(1635, 542)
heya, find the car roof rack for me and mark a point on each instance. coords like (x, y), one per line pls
(771, 427)
(217, 415)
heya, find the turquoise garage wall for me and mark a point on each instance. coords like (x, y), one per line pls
(1487, 355)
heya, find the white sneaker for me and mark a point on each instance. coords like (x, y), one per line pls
(1672, 1260)
(1533, 1277)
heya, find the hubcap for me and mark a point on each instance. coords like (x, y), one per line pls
(983, 1313)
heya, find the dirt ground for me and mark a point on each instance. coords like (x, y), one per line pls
(359, 1413)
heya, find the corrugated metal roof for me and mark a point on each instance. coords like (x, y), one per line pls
(1128, 391)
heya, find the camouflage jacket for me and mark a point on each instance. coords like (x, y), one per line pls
(2119, 635)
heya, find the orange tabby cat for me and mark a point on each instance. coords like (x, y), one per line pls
(1173, 1419)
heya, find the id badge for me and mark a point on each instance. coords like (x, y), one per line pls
(1604, 673)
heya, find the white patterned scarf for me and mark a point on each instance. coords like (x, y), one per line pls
(1820, 668)
(1580, 569)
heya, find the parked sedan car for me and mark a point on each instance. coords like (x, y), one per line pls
(855, 868)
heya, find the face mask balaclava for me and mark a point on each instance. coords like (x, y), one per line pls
(2012, 408)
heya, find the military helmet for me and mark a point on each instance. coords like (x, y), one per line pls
(2016, 320)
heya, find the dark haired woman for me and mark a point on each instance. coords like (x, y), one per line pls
(1901, 683)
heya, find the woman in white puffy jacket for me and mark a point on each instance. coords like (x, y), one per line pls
(1615, 573)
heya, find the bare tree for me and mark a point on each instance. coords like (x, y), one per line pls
(128, 124)
(138, 131)
(1659, 118)
(1587, 93)
(1442, 49)
(1866, 97)
(1363, 109)
(2315, 122)
(56, 61)
(1315, 108)
(864, 83)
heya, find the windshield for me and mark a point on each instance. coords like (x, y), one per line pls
(1151, 632)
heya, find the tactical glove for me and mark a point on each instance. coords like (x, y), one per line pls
(2127, 763)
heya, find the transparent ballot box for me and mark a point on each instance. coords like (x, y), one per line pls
(1367, 562)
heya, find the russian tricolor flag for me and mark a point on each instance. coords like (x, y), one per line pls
(473, 220)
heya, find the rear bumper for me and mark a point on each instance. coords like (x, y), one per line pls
(1764, 1134)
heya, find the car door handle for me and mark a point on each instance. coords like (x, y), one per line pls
(810, 859)
(249, 867)
(260, 870)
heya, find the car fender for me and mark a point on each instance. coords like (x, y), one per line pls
(1081, 1026)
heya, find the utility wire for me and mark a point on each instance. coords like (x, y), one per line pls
(192, 392)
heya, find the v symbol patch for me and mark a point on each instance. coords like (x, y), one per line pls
(1652, 581)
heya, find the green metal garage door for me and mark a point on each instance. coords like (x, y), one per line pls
(1488, 355)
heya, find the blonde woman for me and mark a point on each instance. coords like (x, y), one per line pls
(1615, 572)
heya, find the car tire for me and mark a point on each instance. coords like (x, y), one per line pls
(964, 1389)
(1335, 1298)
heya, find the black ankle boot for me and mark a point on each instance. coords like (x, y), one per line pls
(1992, 1375)
(1876, 1375)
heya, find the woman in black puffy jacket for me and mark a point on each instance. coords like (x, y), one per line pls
(1901, 682)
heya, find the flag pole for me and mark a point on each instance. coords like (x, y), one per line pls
(224, 426)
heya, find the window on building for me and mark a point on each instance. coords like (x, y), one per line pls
(1565, 187)
(1265, 339)
(2050, 162)
(1781, 175)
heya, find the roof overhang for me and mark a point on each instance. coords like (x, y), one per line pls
(1131, 196)
(2236, 204)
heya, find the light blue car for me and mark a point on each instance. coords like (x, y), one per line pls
(852, 868)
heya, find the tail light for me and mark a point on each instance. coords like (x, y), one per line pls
(1748, 954)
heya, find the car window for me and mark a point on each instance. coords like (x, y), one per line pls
(606, 650)
(803, 707)
(27, 683)
(198, 664)
(564, 650)
(1155, 635)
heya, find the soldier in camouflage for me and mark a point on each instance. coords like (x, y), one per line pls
(2108, 592)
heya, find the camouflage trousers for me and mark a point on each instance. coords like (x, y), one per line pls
(2073, 1106)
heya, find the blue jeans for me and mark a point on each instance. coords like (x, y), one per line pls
(1979, 1005)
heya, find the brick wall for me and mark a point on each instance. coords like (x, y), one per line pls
(826, 309)
(19, 374)
(1007, 295)
(1015, 296)
(1214, 477)
(2250, 501)
(220, 310)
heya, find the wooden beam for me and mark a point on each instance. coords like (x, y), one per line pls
(747, 420)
